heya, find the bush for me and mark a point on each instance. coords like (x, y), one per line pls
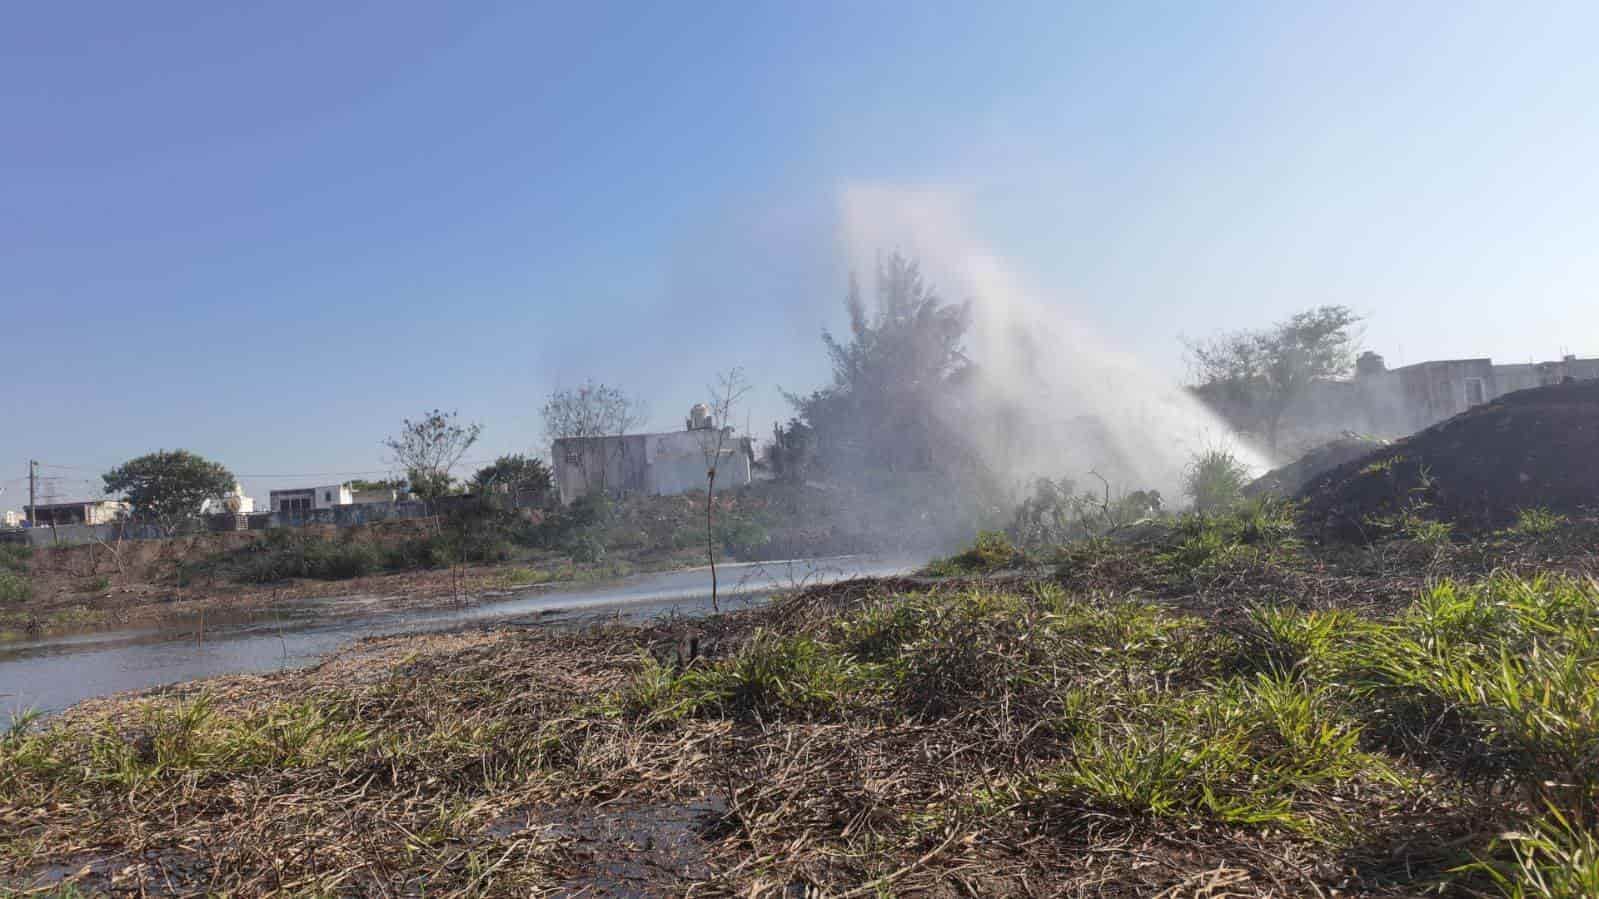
(345, 561)
(1534, 523)
(15, 556)
(739, 534)
(14, 587)
(1215, 481)
(577, 529)
(1056, 514)
(417, 552)
(993, 551)
(770, 677)
(284, 554)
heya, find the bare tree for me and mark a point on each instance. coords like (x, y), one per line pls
(729, 389)
(429, 448)
(592, 410)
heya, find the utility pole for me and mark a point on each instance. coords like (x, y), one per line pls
(33, 475)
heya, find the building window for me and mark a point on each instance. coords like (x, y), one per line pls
(1476, 394)
(571, 457)
(327, 496)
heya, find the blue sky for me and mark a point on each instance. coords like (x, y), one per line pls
(270, 234)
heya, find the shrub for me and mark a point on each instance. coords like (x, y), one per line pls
(992, 551)
(14, 587)
(417, 552)
(740, 534)
(1215, 481)
(284, 554)
(1553, 858)
(1055, 514)
(15, 556)
(1502, 677)
(771, 676)
(1537, 523)
(344, 561)
(578, 529)
(1266, 752)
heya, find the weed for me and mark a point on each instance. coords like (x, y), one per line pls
(1534, 523)
(1215, 481)
(992, 551)
(1263, 752)
(772, 676)
(1551, 858)
(519, 576)
(14, 587)
(1288, 642)
(15, 556)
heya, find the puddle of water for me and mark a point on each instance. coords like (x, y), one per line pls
(625, 850)
(51, 674)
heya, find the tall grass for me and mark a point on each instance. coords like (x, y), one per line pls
(1215, 481)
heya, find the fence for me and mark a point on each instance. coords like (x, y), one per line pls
(78, 534)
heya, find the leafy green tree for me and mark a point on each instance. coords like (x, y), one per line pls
(902, 359)
(517, 474)
(429, 448)
(790, 452)
(1265, 371)
(167, 488)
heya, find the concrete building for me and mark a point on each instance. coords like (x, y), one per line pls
(651, 464)
(11, 518)
(102, 511)
(1390, 402)
(236, 496)
(299, 501)
(1412, 397)
(378, 495)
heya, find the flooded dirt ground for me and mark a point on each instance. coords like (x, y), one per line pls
(53, 673)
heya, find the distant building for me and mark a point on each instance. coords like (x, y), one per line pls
(1392, 402)
(375, 495)
(1412, 397)
(651, 464)
(298, 502)
(103, 511)
(11, 518)
(224, 504)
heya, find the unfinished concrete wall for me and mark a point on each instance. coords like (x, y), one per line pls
(651, 464)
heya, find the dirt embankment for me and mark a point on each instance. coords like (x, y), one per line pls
(1533, 449)
(137, 581)
(1289, 479)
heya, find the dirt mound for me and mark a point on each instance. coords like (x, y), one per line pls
(1534, 448)
(1291, 478)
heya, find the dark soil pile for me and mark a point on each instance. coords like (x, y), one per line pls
(1291, 478)
(1532, 449)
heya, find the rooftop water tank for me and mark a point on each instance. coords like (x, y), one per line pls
(699, 418)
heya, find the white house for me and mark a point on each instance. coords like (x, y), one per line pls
(225, 503)
(299, 501)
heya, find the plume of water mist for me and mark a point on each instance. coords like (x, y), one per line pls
(1051, 397)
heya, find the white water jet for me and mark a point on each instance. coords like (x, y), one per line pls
(1053, 398)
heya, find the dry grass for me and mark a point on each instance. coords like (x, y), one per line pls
(1118, 729)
